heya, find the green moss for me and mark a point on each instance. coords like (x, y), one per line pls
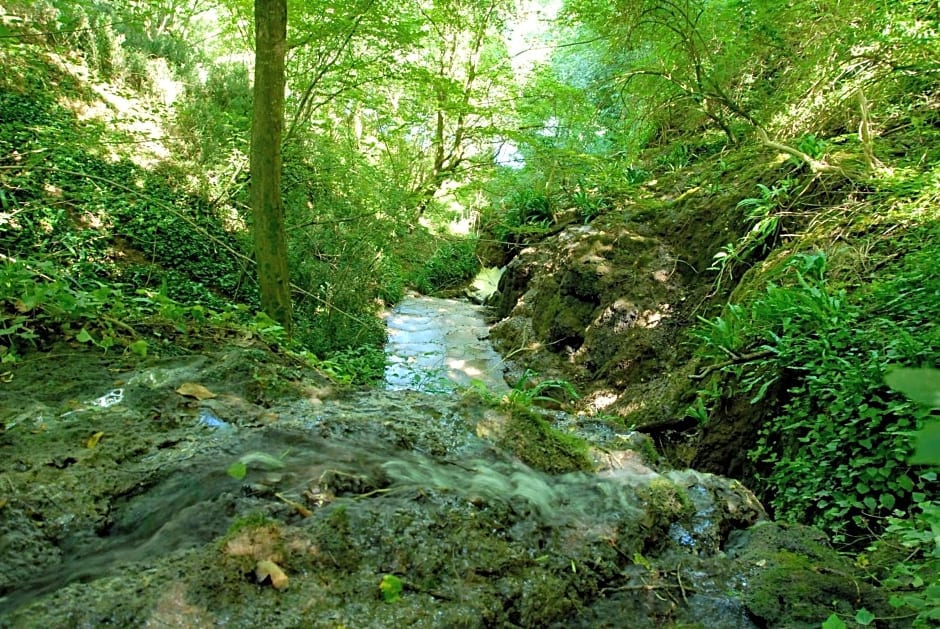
(252, 520)
(802, 580)
(333, 535)
(666, 499)
(540, 446)
(651, 455)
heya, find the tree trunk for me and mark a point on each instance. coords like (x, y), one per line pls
(267, 128)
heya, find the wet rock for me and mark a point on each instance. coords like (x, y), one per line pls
(595, 304)
(428, 488)
(791, 578)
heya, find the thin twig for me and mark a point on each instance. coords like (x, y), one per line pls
(735, 359)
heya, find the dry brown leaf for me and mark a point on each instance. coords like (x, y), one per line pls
(267, 569)
(194, 390)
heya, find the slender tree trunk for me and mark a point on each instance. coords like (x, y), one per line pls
(266, 130)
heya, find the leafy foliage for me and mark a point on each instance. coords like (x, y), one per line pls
(836, 452)
(451, 265)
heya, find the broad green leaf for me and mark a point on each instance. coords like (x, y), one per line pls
(83, 336)
(906, 483)
(864, 617)
(927, 445)
(237, 470)
(921, 385)
(833, 622)
(887, 501)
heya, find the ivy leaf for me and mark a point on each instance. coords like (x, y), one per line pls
(920, 385)
(887, 501)
(83, 336)
(927, 445)
(833, 622)
(864, 617)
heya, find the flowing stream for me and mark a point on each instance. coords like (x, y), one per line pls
(436, 344)
(402, 481)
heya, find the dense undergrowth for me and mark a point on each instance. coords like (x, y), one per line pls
(123, 242)
(805, 152)
(808, 335)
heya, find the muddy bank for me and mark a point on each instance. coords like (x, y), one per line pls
(123, 504)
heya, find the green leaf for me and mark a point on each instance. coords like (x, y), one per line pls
(139, 348)
(927, 445)
(83, 336)
(237, 470)
(887, 501)
(391, 587)
(921, 385)
(906, 483)
(833, 622)
(864, 617)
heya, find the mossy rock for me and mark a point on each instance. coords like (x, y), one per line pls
(667, 499)
(540, 446)
(796, 580)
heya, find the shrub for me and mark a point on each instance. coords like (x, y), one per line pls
(452, 264)
(835, 453)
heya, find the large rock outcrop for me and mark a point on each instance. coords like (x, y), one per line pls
(599, 305)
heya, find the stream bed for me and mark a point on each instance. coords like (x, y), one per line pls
(239, 488)
(437, 345)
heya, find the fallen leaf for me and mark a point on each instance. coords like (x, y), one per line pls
(267, 569)
(191, 389)
(93, 440)
(237, 470)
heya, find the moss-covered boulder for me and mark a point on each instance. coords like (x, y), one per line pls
(794, 579)
(537, 444)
